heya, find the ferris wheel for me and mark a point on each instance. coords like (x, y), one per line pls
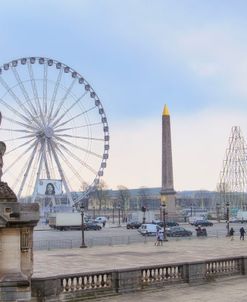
(54, 127)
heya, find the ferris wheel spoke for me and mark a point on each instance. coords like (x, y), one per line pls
(75, 172)
(19, 123)
(26, 173)
(60, 170)
(20, 137)
(76, 127)
(83, 137)
(10, 92)
(50, 159)
(46, 165)
(40, 163)
(60, 105)
(23, 117)
(53, 100)
(18, 158)
(67, 111)
(19, 176)
(20, 146)
(24, 92)
(78, 147)
(74, 117)
(15, 130)
(84, 164)
(35, 92)
(45, 89)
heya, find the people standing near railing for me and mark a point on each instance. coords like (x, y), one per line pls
(242, 232)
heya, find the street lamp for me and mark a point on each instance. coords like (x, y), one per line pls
(163, 207)
(94, 212)
(83, 245)
(218, 211)
(227, 218)
(119, 208)
(144, 216)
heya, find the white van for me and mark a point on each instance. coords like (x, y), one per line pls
(149, 229)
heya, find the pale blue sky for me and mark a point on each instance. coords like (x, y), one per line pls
(139, 55)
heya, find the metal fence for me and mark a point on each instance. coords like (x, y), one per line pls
(90, 242)
(96, 241)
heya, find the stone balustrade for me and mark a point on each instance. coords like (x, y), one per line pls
(105, 283)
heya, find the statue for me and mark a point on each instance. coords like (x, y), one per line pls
(6, 194)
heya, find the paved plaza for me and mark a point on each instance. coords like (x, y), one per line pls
(70, 261)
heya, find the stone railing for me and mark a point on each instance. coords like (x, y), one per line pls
(105, 283)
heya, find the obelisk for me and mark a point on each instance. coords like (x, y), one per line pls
(167, 190)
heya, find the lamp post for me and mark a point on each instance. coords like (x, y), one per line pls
(227, 218)
(113, 215)
(94, 212)
(144, 216)
(119, 224)
(218, 211)
(83, 245)
(163, 208)
(164, 220)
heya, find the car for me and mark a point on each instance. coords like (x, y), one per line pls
(133, 225)
(202, 223)
(168, 223)
(92, 226)
(100, 219)
(178, 231)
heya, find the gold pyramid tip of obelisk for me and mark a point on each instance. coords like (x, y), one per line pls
(166, 111)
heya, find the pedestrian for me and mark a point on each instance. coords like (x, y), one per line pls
(157, 237)
(242, 232)
(160, 237)
(231, 233)
(103, 223)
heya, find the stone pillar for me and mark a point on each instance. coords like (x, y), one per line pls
(16, 246)
(167, 190)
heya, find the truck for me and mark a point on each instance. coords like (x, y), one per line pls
(65, 221)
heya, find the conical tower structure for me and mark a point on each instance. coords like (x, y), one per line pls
(233, 177)
(167, 188)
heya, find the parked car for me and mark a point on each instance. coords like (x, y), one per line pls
(133, 225)
(149, 229)
(92, 226)
(178, 231)
(168, 223)
(202, 223)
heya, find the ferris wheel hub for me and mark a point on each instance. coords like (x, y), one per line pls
(49, 132)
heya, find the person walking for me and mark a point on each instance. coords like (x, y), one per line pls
(157, 236)
(160, 237)
(242, 232)
(231, 234)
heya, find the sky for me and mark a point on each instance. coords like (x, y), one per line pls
(139, 55)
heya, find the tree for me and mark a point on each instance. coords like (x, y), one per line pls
(143, 197)
(101, 195)
(123, 198)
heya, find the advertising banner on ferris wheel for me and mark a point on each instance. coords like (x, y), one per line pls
(50, 187)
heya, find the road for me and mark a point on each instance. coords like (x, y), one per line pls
(111, 235)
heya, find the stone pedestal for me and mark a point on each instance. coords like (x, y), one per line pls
(16, 246)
